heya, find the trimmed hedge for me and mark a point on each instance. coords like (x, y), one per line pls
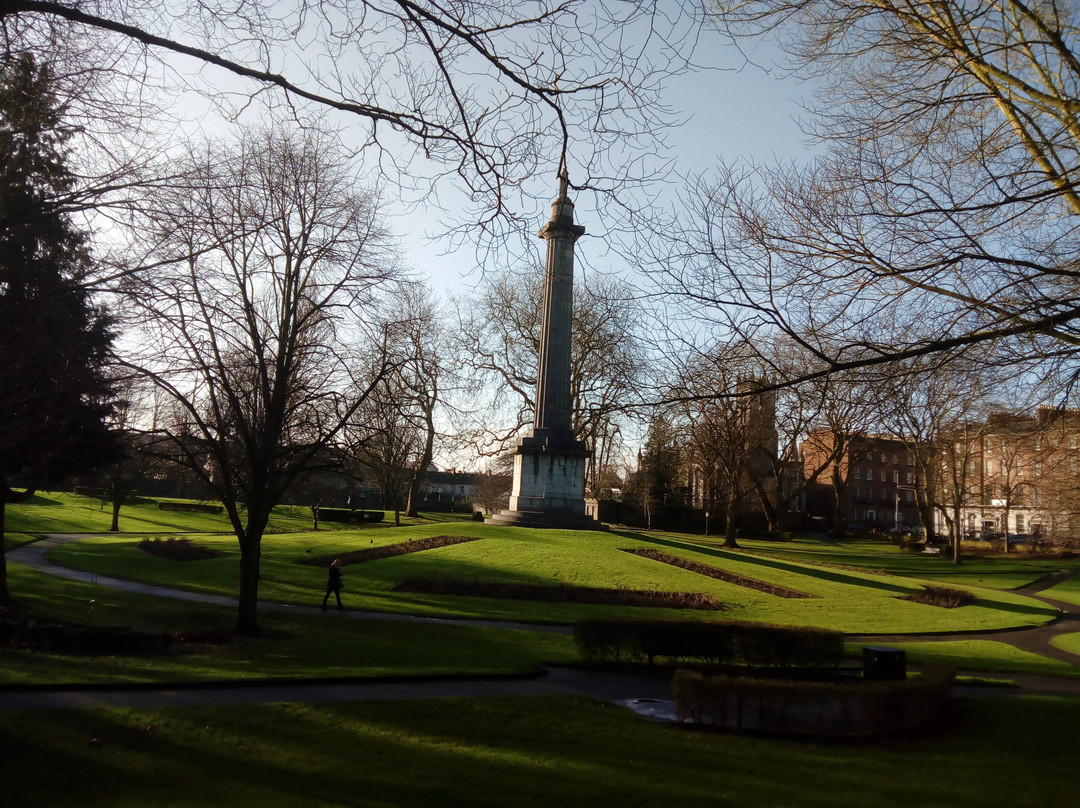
(792, 707)
(722, 643)
(72, 638)
(389, 550)
(345, 515)
(191, 507)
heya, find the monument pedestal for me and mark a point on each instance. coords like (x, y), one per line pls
(549, 481)
(549, 465)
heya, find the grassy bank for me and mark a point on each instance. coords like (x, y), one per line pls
(293, 646)
(524, 752)
(850, 600)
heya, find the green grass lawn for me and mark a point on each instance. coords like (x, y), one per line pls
(850, 600)
(1068, 591)
(986, 570)
(58, 512)
(1069, 642)
(294, 646)
(980, 655)
(539, 752)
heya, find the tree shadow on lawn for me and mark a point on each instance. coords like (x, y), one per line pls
(41, 501)
(769, 563)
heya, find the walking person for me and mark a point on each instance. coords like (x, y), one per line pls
(333, 584)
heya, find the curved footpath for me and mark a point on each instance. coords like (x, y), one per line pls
(646, 692)
(1037, 640)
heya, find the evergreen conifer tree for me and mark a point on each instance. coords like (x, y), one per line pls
(54, 342)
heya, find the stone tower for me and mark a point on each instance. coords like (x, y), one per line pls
(549, 463)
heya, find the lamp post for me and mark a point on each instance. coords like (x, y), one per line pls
(896, 512)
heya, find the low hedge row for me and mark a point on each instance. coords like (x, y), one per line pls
(722, 643)
(191, 507)
(345, 515)
(793, 707)
(41, 635)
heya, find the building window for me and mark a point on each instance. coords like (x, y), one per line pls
(989, 466)
(1072, 441)
(896, 476)
(869, 473)
(910, 478)
(1019, 523)
(910, 460)
(884, 495)
(882, 457)
(1038, 467)
(1072, 464)
(909, 497)
(896, 459)
(858, 472)
(1038, 444)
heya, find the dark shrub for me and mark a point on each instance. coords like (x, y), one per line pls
(942, 596)
(177, 549)
(810, 708)
(724, 643)
(71, 638)
(345, 515)
(191, 507)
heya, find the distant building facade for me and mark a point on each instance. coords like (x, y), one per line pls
(872, 483)
(1022, 475)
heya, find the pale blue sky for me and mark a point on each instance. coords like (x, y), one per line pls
(738, 110)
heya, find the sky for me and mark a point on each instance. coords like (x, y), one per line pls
(737, 107)
(736, 110)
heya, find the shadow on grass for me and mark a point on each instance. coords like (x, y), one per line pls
(769, 563)
(42, 502)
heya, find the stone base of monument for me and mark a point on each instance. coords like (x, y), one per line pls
(549, 484)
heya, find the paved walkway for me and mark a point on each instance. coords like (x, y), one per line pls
(1037, 640)
(644, 691)
(34, 555)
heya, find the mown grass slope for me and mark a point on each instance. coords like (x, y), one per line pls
(848, 599)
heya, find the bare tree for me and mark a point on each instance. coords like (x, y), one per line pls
(490, 92)
(499, 342)
(393, 435)
(943, 209)
(424, 371)
(271, 264)
(938, 409)
(386, 443)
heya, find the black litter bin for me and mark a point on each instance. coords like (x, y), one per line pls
(882, 662)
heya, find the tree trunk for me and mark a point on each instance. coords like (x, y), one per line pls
(772, 513)
(250, 555)
(5, 593)
(729, 521)
(957, 536)
(115, 526)
(246, 617)
(412, 507)
(1005, 524)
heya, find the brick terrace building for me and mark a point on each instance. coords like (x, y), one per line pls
(877, 477)
(1023, 474)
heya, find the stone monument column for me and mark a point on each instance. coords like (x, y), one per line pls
(549, 464)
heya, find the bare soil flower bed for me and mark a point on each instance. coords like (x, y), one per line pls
(719, 574)
(563, 593)
(177, 549)
(389, 550)
(941, 596)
